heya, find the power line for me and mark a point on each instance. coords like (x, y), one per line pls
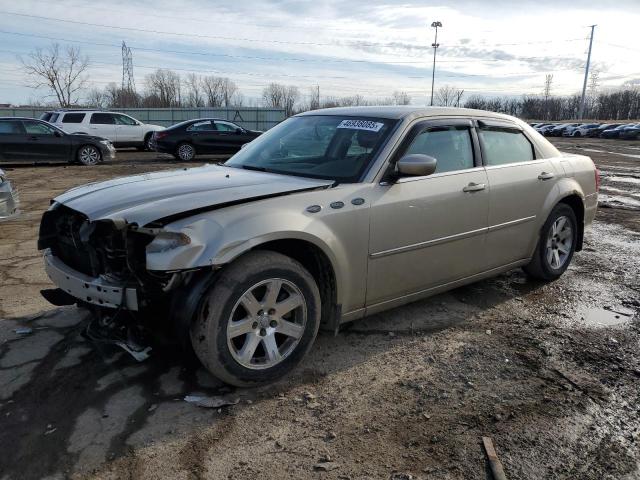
(249, 57)
(261, 40)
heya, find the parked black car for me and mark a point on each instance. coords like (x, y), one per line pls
(596, 132)
(558, 130)
(615, 132)
(631, 133)
(205, 135)
(29, 140)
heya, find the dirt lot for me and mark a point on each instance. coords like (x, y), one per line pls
(550, 372)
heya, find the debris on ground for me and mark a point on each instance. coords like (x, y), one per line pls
(494, 462)
(211, 402)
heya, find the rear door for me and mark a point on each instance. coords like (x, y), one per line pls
(205, 137)
(72, 122)
(12, 140)
(45, 143)
(519, 182)
(103, 125)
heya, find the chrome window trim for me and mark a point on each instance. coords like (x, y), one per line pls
(438, 175)
(515, 164)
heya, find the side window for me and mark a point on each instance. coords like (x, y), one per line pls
(102, 119)
(53, 118)
(504, 145)
(123, 120)
(10, 127)
(205, 126)
(450, 146)
(226, 127)
(37, 128)
(73, 117)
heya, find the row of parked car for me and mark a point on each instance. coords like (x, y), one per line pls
(626, 131)
(90, 137)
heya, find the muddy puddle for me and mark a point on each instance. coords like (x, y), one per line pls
(595, 317)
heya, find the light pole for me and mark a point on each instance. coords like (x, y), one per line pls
(435, 46)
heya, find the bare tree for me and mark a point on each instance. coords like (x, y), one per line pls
(96, 98)
(195, 97)
(163, 88)
(401, 98)
(60, 71)
(281, 96)
(221, 91)
(449, 96)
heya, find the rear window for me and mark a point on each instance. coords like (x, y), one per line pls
(102, 119)
(505, 145)
(10, 127)
(53, 118)
(73, 117)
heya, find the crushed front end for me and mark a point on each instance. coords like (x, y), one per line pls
(98, 263)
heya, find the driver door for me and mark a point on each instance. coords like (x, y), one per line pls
(429, 231)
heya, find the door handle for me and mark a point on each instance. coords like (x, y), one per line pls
(474, 187)
(33, 137)
(545, 176)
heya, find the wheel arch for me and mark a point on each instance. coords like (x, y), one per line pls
(576, 203)
(319, 265)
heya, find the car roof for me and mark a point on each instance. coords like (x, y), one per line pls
(399, 112)
(22, 118)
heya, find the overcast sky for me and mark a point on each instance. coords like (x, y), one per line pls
(346, 47)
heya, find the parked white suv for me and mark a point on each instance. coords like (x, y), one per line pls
(122, 130)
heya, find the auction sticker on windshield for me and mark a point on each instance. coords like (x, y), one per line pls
(361, 125)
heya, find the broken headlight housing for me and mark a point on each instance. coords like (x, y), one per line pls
(164, 241)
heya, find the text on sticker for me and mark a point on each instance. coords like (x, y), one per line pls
(361, 125)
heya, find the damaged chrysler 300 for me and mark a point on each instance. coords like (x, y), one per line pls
(330, 216)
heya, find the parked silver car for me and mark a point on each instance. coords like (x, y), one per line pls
(8, 198)
(328, 217)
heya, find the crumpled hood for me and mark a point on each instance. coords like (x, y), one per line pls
(144, 198)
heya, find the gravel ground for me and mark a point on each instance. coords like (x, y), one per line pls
(549, 371)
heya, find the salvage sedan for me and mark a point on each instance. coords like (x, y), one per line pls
(328, 217)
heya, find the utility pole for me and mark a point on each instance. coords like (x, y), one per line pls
(586, 75)
(435, 46)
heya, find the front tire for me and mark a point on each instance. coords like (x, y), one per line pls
(185, 152)
(89, 155)
(259, 319)
(556, 245)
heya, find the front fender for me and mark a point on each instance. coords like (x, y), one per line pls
(215, 242)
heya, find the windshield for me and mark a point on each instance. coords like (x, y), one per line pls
(330, 147)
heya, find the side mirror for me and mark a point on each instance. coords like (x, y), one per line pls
(239, 130)
(57, 133)
(416, 165)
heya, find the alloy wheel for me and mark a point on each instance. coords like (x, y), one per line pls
(186, 152)
(89, 155)
(559, 242)
(266, 323)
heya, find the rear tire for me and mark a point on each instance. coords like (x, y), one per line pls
(258, 320)
(185, 152)
(89, 155)
(556, 245)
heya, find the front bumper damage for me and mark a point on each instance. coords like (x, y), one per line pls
(94, 290)
(8, 199)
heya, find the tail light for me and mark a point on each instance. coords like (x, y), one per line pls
(159, 135)
(597, 180)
